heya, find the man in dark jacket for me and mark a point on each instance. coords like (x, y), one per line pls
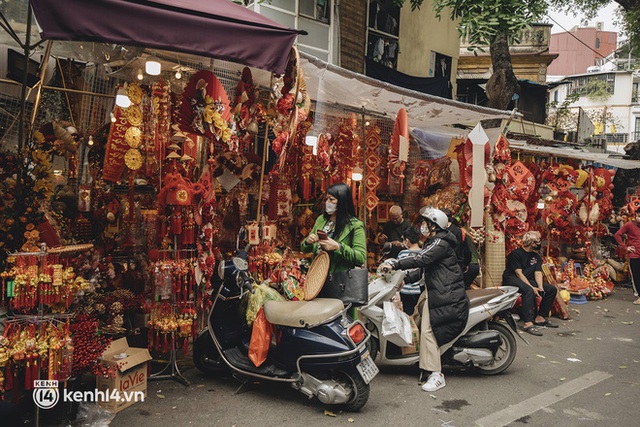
(445, 313)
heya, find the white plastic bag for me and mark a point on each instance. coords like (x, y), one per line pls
(396, 326)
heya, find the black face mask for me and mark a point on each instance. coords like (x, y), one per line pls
(537, 246)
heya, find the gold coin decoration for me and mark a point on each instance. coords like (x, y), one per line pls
(134, 92)
(133, 159)
(134, 115)
(133, 137)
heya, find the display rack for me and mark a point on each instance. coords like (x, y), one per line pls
(171, 371)
(40, 316)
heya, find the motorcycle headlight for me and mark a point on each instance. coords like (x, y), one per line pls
(221, 266)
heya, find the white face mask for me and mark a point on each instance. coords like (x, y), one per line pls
(330, 208)
(424, 230)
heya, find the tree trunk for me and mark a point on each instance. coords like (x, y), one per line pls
(502, 84)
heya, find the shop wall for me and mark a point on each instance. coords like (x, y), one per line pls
(420, 33)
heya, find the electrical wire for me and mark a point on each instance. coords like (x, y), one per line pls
(583, 43)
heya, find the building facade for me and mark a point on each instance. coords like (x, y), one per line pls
(374, 37)
(581, 48)
(615, 114)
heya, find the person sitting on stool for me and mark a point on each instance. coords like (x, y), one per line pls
(524, 270)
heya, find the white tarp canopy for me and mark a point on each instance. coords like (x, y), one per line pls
(575, 153)
(335, 86)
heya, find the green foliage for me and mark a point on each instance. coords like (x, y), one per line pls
(482, 20)
(560, 116)
(598, 90)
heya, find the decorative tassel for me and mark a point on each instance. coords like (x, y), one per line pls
(35, 368)
(27, 373)
(176, 223)
(150, 333)
(8, 384)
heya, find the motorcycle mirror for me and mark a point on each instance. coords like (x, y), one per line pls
(386, 248)
(240, 264)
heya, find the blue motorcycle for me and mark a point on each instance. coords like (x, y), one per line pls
(321, 351)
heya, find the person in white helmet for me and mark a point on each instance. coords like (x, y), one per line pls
(444, 305)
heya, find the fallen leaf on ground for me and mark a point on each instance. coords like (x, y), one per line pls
(627, 323)
(200, 385)
(433, 396)
(160, 396)
(562, 379)
(553, 361)
(622, 367)
(351, 420)
(573, 359)
(541, 356)
(329, 413)
(607, 394)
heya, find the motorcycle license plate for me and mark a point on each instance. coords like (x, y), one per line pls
(367, 368)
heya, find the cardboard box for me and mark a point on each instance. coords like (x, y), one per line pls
(131, 367)
(415, 335)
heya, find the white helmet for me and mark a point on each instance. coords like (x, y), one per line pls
(436, 216)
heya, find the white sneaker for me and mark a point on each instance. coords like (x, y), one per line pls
(435, 382)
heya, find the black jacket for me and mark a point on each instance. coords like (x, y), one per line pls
(448, 302)
(461, 249)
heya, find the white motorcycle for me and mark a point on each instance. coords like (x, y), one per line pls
(487, 344)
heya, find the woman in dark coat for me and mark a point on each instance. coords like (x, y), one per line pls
(446, 311)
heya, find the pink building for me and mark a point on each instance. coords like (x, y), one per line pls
(574, 57)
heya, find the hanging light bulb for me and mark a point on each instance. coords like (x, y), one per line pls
(311, 140)
(90, 141)
(122, 99)
(153, 66)
(356, 174)
(113, 117)
(540, 204)
(178, 74)
(140, 75)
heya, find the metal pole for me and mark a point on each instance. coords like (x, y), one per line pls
(265, 148)
(61, 89)
(364, 171)
(43, 71)
(23, 103)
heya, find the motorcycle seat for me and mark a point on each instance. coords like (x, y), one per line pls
(480, 296)
(300, 314)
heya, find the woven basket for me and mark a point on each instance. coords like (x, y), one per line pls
(495, 255)
(316, 276)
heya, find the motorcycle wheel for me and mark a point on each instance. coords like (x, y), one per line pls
(505, 354)
(207, 364)
(352, 380)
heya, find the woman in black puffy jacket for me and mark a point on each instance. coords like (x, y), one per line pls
(446, 311)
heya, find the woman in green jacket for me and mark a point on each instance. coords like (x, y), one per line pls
(346, 240)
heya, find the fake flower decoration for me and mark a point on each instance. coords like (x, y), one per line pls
(205, 107)
(248, 111)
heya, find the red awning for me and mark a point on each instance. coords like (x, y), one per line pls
(211, 28)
